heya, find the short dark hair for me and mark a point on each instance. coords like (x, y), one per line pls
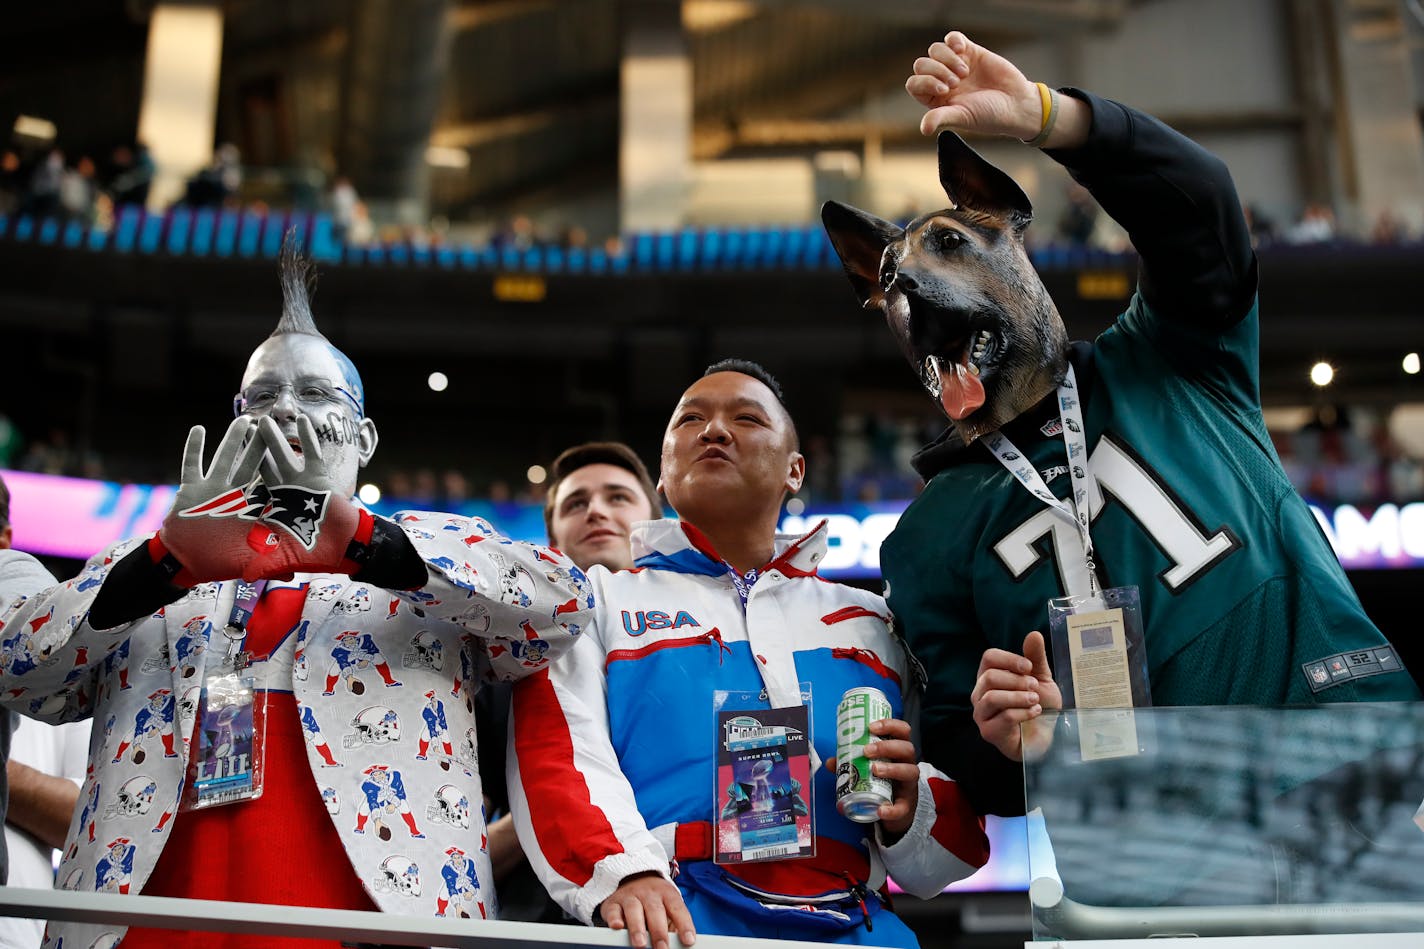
(4, 505)
(759, 372)
(597, 453)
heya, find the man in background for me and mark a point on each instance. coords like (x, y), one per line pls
(598, 491)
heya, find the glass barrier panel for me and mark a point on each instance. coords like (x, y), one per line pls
(1229, 821)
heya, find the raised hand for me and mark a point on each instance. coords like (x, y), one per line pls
(206, 529)
(308, 521)
(969, 88)
(1012, 690)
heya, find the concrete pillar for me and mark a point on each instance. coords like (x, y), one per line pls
(178, 114)
(397, 59)
(655, 134)
(1377, 124)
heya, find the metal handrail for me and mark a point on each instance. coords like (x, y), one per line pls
(351, 926)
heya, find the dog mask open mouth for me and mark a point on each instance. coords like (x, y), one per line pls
(957, 290)
(955, 350)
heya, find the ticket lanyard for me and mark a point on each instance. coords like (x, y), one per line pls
(243, 606)
(1075, 438)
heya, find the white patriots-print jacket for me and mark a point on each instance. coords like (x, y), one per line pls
(491, 608)
(613, 748)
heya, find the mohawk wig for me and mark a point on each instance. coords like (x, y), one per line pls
(298, 276)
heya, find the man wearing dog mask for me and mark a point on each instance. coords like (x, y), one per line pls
(1144, 454)
(266, 576)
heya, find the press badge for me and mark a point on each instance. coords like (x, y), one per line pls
(1105, 677)
(226, 762)
(763, 792)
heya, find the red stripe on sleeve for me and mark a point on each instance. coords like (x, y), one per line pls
(957, 828)
(573, 834)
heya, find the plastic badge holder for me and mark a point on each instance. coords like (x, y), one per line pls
(1100, 664)
(762, 797)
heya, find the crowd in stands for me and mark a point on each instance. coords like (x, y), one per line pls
(48, 183)
(1349, 457)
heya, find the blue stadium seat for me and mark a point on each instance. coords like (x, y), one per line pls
(180, 224)
(126, 230)
(249, 234)
(204, 225)
(324, 245)
(73, 234)
(225, 241)
(150, 233)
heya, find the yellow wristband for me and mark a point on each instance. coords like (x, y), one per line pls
(1049, 99)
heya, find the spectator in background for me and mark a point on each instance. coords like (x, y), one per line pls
(1316, 225)
(344, 202)
(11, 181)
(45, 769)
(77, 190)
(597, 492)
(41, 197)
(21, 575)
(1262, 227)
(1080, 217)
(133, 171)
(218, 183)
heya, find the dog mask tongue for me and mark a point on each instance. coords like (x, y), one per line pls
(961, 391)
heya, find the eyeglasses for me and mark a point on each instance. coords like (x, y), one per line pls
(261, 396)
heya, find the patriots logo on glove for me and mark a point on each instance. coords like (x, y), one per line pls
(297, 510)
(245, 503)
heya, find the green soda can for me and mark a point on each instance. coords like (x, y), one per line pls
(859, 793)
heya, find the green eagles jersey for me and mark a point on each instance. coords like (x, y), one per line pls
(1244, 602)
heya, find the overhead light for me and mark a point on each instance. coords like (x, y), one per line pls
(369, 494)
(536, 474)
(444, 156)
(1322, 373)
(32, 127)
(438, 382)
(795, 506)
(1411, 364)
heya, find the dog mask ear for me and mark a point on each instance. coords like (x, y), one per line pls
(860, 240)
(972, 182)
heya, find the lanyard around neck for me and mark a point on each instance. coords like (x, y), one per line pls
(1074, 510)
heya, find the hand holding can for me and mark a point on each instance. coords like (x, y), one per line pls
(859, 792)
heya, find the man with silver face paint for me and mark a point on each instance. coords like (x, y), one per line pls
(270, 518)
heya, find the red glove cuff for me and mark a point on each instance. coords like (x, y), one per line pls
(358, 552)
(173, 571)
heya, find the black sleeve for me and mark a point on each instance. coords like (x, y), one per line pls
(1180, 209)
(991, 783)
(491, 729)
(135, 587)
(390, 560)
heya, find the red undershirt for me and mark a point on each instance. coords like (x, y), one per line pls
(279, 848)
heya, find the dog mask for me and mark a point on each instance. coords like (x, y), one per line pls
(958, 292)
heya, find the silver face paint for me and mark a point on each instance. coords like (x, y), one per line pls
(289, 369)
